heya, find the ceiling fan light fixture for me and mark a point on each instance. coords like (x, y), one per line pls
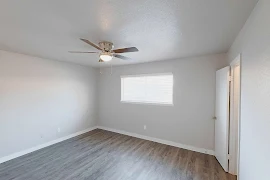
(106, 57)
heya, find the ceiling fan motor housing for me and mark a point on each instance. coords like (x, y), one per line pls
(106, 46)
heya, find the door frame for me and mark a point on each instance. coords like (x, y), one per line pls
(234, 143)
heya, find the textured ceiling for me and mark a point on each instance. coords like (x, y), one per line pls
(160, 29)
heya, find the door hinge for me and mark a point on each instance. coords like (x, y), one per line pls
(230, 78)
(228, 156)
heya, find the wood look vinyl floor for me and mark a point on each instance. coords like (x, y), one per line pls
(105, 155)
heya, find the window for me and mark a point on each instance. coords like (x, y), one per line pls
(152, 88)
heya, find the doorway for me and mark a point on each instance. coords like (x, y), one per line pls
(227, 116)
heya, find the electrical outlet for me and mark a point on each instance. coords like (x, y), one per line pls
(58, 130)
(144, 127)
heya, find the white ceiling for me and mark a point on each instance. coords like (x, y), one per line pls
(160, 29)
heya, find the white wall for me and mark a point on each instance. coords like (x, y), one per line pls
(37, 96)
(188, 122)
(254, 44)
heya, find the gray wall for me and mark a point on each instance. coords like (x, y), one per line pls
(38, 96)
(188, 122)
(254, 44)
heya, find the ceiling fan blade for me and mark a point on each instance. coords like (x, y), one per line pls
(122, 57)
(81, 52)
(124, 50)
(91, 44)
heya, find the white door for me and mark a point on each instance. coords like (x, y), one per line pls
(222, 116)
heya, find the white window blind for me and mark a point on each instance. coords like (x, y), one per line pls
(153, 88)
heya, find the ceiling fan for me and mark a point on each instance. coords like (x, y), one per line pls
(106, 51)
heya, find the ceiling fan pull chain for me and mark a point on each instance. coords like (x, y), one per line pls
(111, 69)
(100, 69)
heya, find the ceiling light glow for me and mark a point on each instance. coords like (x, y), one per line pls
(106, 57)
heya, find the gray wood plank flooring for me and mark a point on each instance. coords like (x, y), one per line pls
(105, 155)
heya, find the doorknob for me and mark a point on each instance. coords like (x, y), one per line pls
(214, 118)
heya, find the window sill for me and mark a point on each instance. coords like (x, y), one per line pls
(146, 103)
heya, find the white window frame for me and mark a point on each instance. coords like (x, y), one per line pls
(145, 102)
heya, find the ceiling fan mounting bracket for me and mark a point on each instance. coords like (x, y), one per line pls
(106, 46)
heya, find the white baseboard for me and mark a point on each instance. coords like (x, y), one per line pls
(183, 146)
(21, 153)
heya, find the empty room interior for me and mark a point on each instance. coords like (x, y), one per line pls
(135, 90)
